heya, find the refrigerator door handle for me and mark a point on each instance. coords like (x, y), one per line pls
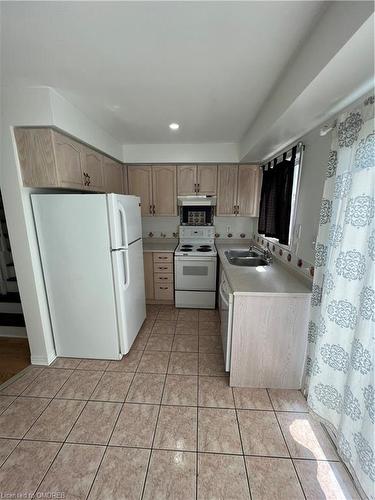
(123, 226)
(125, 259)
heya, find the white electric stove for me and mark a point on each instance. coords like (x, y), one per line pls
(195, 267)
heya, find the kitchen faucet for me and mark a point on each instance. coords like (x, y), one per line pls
(267, 255)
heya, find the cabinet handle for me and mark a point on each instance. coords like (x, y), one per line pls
(234, 209)
(162, 258)
(238, 209)
(163, 268)
(198, 187)
(195, 187)
(150, 209)
(162, 278)
(163, 287)
(154, 212)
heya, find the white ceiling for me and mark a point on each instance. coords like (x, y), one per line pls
(134, 67)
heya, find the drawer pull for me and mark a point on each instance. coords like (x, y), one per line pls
(163, 268)
(163, 287)
(162, 258)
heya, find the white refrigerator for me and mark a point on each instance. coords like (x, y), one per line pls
(91, 252)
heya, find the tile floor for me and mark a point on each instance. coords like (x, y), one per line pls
(162, 423)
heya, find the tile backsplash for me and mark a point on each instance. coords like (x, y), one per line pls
(167, 227)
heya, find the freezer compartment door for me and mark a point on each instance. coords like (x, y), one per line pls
(130, 292)
(124, 220)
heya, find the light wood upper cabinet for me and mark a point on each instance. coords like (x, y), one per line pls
(206, 179)
(249, 183)
(186, 180)
(227, 190)
(148, 265)
(92, 169)
(164, 190)
(125, 187)
(37, 157)
(140, 184)
(68, 157)
(113, 176)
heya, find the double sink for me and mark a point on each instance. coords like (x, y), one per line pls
(246, 258)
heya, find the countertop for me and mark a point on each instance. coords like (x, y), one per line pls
(275, 279)
(161, 245)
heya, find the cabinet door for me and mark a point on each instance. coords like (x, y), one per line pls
(68, 154)
(249, 182)
(125, 187)
(112, 172)
(140, 184)
(36, 156)
(186, 180)
(227, 190)
(164, 190)
(206, 179)
(92, 168)
(148, 264)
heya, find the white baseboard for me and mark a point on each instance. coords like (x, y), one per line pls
(13, 331)
(43, 360)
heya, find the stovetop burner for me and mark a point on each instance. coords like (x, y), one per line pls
(204, 249)
(185, 247)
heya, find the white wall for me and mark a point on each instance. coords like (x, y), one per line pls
(36, 107)
(181, 153)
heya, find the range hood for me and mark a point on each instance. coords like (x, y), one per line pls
(196, 201)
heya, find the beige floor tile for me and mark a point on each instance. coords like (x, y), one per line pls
(95, 424)
(325, 480)
(73, 471)
(185, 343)
(171, 475)
(208, 315)
(273, 478)
(183, 363)
(163, 327)
(186, 328)
(211, 364)
(140, 341)
(218, 431)
(177, 428)
(147, 326)
(19, 385)
(180, 390)
(305, 437)
(215, 392)
(6, 448)
(222, 477)
(251, 399)
(135, 425)
(70, 363)
(209, 328)
(20, 416)
(113, 386)
(93, 364)
(80, 385)
(188, 315)
(48, 383)
(5, 401)
(128, 363)
(154, 362)
(118, 464)
(288, 400)
(55, 423)
(261, 434)
(22, 472)
(159, 343)
(210, 344)
(167, 315)
(146, 388)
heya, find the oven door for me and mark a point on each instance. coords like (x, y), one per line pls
(195, 273)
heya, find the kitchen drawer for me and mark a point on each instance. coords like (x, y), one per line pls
(163, 257)
(163, 278)
(164, 292)
(159, 267)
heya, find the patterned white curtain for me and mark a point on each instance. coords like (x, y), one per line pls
(340, 362)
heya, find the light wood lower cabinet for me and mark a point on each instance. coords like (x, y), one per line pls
(159, 282)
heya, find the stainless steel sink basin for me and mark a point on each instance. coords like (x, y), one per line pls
(241, 253)
(245, 258)
(248, 261)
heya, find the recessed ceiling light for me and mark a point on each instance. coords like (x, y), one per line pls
(174, 126)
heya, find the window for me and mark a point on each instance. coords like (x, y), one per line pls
(279, 196)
